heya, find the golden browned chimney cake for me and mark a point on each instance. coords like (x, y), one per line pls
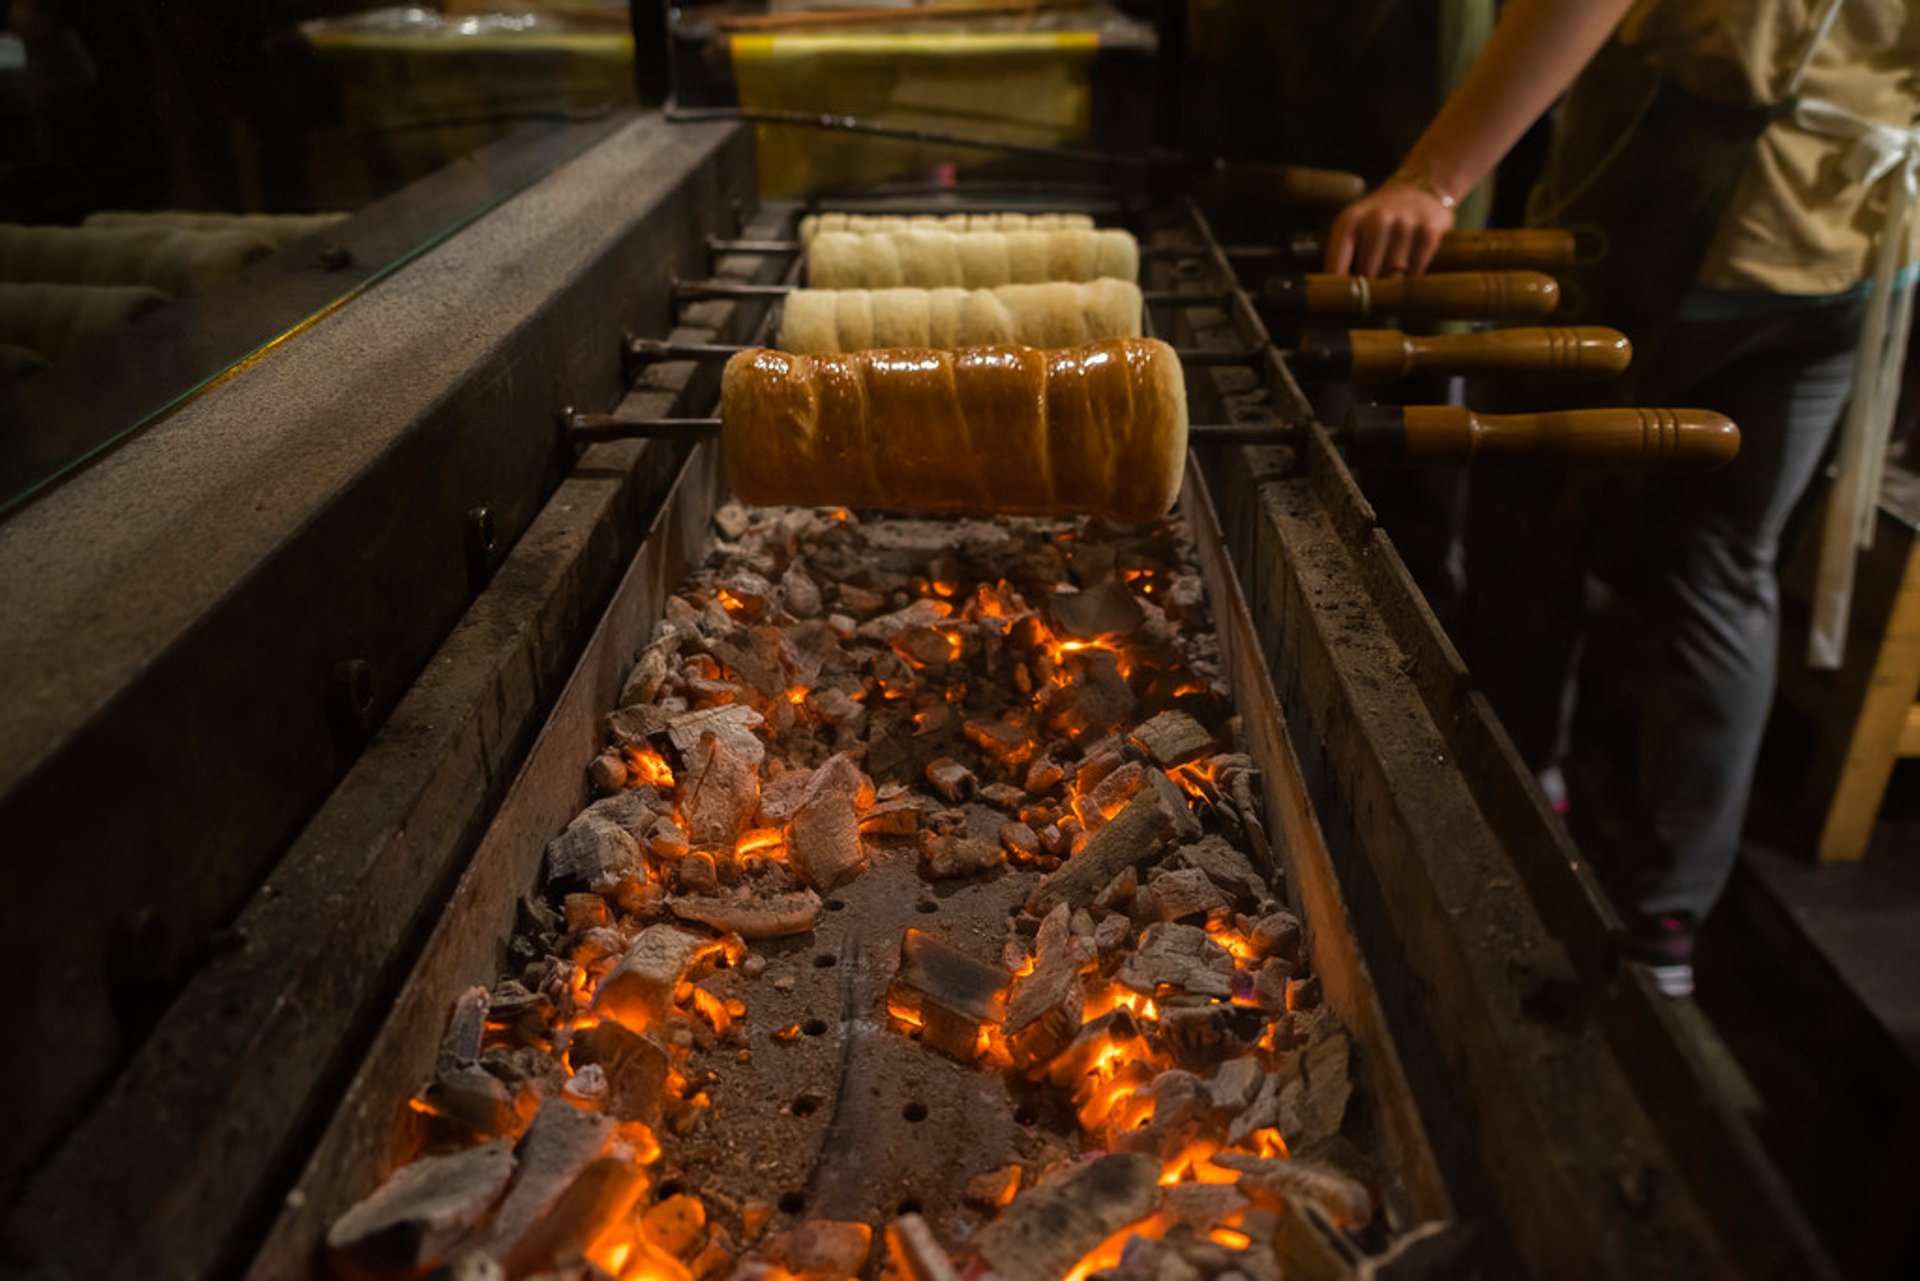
(1095, 430)
(939, 259)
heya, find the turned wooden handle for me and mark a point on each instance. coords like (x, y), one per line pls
(1512, 247)
(1287, 184)
(1561, 351)
(1461, 295)
(1664, 440)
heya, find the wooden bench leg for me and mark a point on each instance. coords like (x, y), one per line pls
(1853, 772)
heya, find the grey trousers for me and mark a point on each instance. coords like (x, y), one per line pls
(1700, 552)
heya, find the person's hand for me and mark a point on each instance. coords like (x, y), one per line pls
(1392, 231)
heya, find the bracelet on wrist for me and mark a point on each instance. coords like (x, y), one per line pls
(1420, 180)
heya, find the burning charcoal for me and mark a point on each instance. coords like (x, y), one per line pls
(921, 613)
(674, 1226)
(923, 646)
(667, 839)
(998, 739)
(993, 1189)
(695, 874)
(1201, 1206)
(633, 810)
(720, 793)
(1303, 993)
(522, 1065)
(734, 723)
(1106, 610)
(555, 1154)
(1096, 700)
(951, 779)
(411, 1221)
(1278, 934)
(1263, 1113)
(1043, 1013)
(1043, 776)
(1224, 865)
(1019, 839)
(635, 1067)
(591, 849)
(717, 1256)
(1136, 834)
(1199, 1036)
(782, 796)
(644, 682)
(748, 590)
(898, 817)
(639, 990)
(1270, 985)
(1326, 1065)
(824, 841)
(756, 917)
(1342, 1199)
(1172, 738)
(1183, 896)
(1112, 933)
(1051, 1226)
(836, 707)
(585, 912)
(1180, 956)
(949, 993)
(466, 1029)
(1002, 795)
(607, 772)
(799, 595)
(634, 726)
(477, 1099)
(947, 856)
(1119, 891)
(824, 1248)
(1234, 1086)
(1116, 789)
(916, 1255)
(763, 673)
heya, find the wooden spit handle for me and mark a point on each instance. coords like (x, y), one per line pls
(1283, 184)
(1464, 295)
(1649, 440)
(1562, 351)
(1536, 247)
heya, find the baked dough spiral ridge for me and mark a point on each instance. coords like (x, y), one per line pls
(968, 260)
(1099, 429)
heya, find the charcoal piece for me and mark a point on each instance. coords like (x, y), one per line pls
(1183, 895)
(1043, 1012)
(1326, 1065)
(634, 726)
(1097, 700)
(1136, 834)
(1019, 839)
(762, 674)
(639, 990)
(1116, 789)
(584, 912)
(650, 672)
(915, 1253)
(591, 849)
(607, 772)
(733, 723)
(474, 1097)
(1172, 738)
(633, 810)
(1108, 610)
(782, 796)
(921, 613)
(674, 1225)
(1053, 1225)
(760, 916)
(993, 1188)
(951, 779)
(947, 856)
(1199, 1036)
(555, 1152)
(696, 874)
(823, 842)
(604, 1192)
(1003, 796)
(1233, 1087)
(1000, 740)
(836, 707)
(635, 1067)
(825, 1248)
(411, 1221)
(719, 794)
(1178, 956)
(1343, 1199)
(1224, 865)
(466, 1028)
(897, 817)
(923, 646)
(949, 993)
(733, 520)
(1278, 934)
(799, 594)
(1201, 1206)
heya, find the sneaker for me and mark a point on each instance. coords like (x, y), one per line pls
(1663, 945)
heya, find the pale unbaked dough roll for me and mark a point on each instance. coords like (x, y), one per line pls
(276, 229)
(1099, 429)
(61, 320)
(866, 224)
(968, 260)
(173, 261)
(1056, 314)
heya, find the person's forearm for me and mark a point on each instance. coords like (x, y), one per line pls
(1533, 55)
